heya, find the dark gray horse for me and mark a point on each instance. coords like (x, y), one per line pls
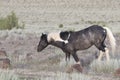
(79, 40)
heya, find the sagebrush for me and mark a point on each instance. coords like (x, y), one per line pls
(10, 21)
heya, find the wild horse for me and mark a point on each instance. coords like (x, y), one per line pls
(72, 41)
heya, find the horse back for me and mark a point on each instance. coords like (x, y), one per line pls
(87, 37)
(94, 31)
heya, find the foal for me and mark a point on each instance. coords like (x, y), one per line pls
(80, 40)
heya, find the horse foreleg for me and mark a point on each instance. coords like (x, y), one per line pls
(75, 56)
(68, 56)
(78, 65)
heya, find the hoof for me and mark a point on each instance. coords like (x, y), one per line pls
(75, 68)
(78, 67)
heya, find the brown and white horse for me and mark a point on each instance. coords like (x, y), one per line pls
(70, 42)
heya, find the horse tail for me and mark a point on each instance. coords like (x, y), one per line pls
(111, 39)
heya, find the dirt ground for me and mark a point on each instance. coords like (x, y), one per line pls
(46, 16)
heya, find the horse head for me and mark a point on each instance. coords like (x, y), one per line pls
(43, 43)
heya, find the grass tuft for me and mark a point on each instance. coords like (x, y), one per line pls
(8, 75)
(104, 66)
(65, 76)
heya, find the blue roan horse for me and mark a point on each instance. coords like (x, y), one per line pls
(70, 42)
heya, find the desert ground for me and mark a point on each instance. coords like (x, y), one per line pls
(45, 16)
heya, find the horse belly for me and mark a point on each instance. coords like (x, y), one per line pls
(83, 45)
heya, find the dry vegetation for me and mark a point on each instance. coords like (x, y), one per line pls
(55, 15)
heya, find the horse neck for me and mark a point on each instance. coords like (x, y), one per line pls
(58, 44)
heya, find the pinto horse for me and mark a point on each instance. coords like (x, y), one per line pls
(79, 40)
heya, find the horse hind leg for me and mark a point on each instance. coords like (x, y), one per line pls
(107, 54)
(103, 50)
(100, 56)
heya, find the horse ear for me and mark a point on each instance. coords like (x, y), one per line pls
(44, 34)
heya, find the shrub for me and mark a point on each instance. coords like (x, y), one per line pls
(60, 25)
(9, 22)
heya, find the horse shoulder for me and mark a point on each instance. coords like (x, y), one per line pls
(69, 47)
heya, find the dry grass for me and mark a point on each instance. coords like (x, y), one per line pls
(8, 75)
(104, 66)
